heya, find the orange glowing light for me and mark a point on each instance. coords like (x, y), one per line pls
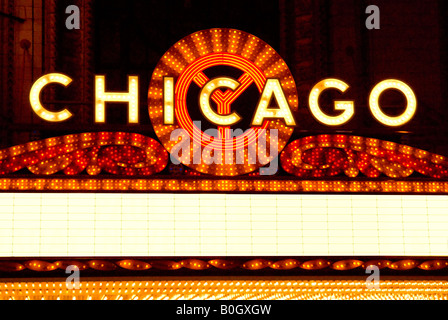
(258, 63)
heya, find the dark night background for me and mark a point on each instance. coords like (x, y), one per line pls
(318, 39)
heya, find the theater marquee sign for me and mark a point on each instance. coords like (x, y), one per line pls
(244, 93)
(223, 103)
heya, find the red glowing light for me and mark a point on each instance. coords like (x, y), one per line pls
(330, 155)
(114, 152)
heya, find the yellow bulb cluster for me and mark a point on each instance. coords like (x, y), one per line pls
(168, 100)
(393, 170)
(347, 264)
(37, 265)
(134, 265)
(51, 166)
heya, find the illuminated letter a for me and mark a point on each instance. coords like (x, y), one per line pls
(272, 89)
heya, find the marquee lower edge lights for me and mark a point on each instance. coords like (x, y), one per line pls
(148, 266)
(235, 289)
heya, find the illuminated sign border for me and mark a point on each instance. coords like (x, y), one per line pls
(193, 184)
(236, 288)
(307, 265)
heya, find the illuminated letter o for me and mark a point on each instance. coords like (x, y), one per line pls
(379, 114)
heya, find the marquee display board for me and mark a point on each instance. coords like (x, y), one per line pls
(211, 224)
(223, 105)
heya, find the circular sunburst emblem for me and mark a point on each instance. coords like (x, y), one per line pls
(221, 102)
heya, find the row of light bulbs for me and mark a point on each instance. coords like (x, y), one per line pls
(188, 185)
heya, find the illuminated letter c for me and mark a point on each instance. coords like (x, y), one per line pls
(204, 101)
(35, 97)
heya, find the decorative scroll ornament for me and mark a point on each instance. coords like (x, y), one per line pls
(330, 155)
(113, 152)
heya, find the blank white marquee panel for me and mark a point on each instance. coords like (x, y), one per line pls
(89, 224)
